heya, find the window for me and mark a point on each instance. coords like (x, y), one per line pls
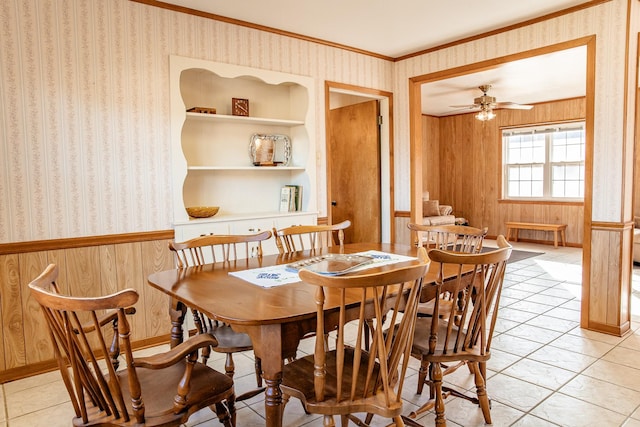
(544, 162)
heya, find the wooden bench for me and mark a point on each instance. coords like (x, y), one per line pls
(517, 226)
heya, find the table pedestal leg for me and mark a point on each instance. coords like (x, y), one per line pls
(273, 401)
(268, 346)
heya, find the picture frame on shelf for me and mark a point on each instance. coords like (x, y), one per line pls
(240, 107)
(270, 150)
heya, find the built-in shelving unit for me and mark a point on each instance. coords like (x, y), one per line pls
(212, 165)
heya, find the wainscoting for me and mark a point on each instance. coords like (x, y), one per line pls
(88, 267)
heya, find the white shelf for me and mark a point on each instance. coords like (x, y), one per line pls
(223, 118)
(245, 168)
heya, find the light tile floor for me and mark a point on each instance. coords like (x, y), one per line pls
(544, 370)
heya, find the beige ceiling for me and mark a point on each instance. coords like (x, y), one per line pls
(557, 75)
(402, 27)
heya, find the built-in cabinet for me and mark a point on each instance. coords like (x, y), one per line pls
(211, 158)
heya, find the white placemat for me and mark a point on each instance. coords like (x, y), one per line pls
(276, 275)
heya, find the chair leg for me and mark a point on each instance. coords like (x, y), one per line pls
(481, 390)
(436, 378)
(328, 421)
(177, 313)
(422, 375)
(226, 414)
(258, 364)
(229, 366)
(200, 325)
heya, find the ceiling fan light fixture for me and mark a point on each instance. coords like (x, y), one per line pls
(485, 114)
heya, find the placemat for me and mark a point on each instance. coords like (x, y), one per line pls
(277, 275)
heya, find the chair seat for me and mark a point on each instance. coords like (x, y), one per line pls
(206, 384)
(420, 346)
(425, 309)
(230, 341)
(298, 382)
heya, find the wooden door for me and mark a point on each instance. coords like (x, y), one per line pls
(354, 156)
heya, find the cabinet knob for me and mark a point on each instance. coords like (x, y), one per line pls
(334, 203)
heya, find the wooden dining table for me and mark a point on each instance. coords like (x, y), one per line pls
(275, 318)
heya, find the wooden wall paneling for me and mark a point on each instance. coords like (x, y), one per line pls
(90, 270)
(447, 164)
(108, 277)
(108, 270)
(430, 156)
(156, 257)
(471, 170)
(83, 270)
(128, 258)
(465, 152)
(9, 289)
(613, 303)
(636, 164)
(403, 235)
(487, 171)
(625, 265)
(59, 258)
(609, 310)
(598, 294)
(84, 276)
(36, 336)
(3, 280)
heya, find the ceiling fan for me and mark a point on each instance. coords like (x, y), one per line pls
(487, 103)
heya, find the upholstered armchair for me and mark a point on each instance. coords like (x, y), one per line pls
(433, 213)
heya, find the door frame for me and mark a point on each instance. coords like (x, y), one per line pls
(415, 129)
(385, 99)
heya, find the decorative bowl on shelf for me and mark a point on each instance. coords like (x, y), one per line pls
(202, 211)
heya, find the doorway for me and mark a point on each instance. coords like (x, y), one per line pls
(504, 210)
(354, 154)
(362, 194)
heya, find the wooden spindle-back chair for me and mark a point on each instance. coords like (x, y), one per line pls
(465, 334)
(351, 379)
(160, 390)
(457, 238)
(304, 237)
(219, 248)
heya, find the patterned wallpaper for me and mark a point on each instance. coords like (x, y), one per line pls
(84, 139)
(84, 118)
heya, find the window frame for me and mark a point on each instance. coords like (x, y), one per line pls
(547, 174)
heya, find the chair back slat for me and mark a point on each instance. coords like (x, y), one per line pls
(79, 345)
(218, 248)
(382, 368)
(309, 237)
(456, 238)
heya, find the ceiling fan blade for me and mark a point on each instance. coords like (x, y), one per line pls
(513, 106)
(469, 106)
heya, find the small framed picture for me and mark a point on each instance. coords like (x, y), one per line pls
(239, 107)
